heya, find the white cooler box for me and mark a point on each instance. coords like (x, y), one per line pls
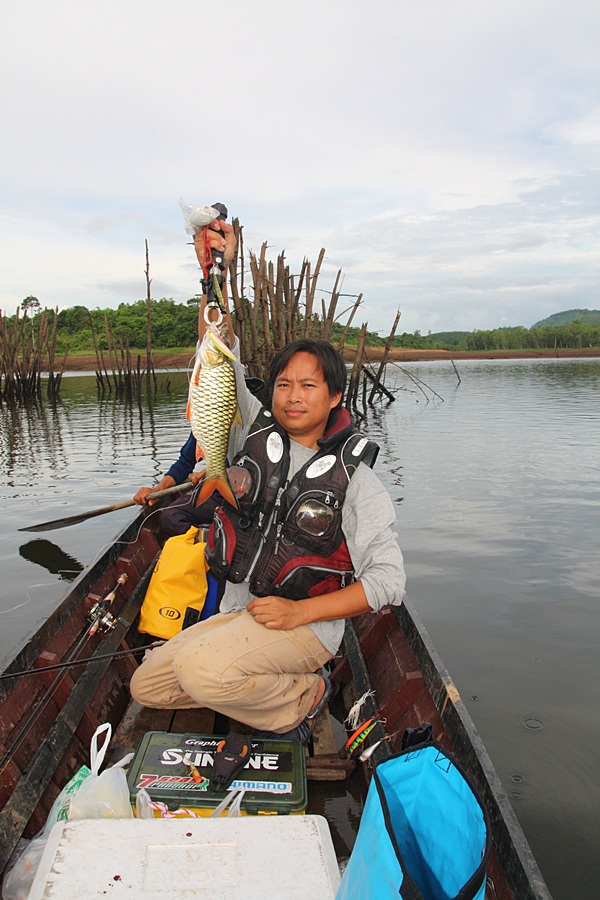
(248, 857)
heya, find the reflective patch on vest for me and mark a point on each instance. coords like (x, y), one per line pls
(359, 447)
(320, 466)
(274, 447)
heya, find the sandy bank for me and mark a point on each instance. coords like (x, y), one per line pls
(182, 360)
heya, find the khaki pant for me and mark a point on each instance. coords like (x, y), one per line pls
(232, 664)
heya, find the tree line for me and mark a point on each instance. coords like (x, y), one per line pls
(174, 326)
(574, 336)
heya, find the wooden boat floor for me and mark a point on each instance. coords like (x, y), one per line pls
(322, 760)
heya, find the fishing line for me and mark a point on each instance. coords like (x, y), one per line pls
(39, 584)
(13, 608)
(126, 543)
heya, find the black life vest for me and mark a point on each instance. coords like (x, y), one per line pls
(286, 538)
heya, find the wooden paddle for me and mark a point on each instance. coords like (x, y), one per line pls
(73, 520)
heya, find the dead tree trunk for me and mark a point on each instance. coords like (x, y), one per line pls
(149, 366)
(386, 352)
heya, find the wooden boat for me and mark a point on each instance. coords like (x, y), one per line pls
(47, 719)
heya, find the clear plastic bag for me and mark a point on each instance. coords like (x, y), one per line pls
(88, 795)
(26, 857)
(146, 808)
(231, 805)
(22, 867)
(196, 217)
(104, 795)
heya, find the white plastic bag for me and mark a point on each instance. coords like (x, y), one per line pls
(25, 860)
(104, 795)
(88, 795)
(146, 808)
(232, 803)
(22, 867)
(196, 217)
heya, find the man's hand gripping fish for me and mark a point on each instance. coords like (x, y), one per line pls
(213, 410)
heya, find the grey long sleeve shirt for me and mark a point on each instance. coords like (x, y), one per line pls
(368, 517)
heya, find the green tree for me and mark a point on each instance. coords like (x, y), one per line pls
(30, 305)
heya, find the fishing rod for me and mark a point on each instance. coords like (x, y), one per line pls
(132, 651)
(98, 617)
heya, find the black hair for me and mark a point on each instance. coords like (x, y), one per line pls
(328, 358)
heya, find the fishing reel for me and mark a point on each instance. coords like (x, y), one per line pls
(101, 619)
(99, 616)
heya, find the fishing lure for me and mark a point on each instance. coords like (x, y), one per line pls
(368, 753)
(352, 719)
(361, 733)
(198, 778)
(362, 736)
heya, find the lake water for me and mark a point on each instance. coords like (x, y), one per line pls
(497, 486)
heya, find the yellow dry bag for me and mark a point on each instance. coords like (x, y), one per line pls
(178, 582)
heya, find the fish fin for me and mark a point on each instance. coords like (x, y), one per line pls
(188, 411)
(216, 483)
(195, 376)
(237, 419)
(225, 491)
(200, 454)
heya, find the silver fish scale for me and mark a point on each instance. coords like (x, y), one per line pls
(213, 403)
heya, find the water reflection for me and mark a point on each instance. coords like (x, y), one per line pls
(498, 502)
(46, 554)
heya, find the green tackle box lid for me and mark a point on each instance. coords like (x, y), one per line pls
(274, 777)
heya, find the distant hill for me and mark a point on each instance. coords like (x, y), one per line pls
(450, 338)
(588, 316)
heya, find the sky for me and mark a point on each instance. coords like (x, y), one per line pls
(445, 153)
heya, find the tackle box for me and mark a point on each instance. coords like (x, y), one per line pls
(175, 769)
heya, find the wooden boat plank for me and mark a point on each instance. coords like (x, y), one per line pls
(396, 657)
(325, 764)
(135, 722)
(31, 786)
(362, 686)
(193, 721)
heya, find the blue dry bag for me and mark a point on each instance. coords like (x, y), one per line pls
(423, 835)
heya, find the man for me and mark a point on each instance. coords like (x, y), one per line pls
(310, 544)
(182, 512)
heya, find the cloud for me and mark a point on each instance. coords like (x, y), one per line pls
(438, 154)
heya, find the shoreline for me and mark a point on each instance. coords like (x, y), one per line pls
(166, 360)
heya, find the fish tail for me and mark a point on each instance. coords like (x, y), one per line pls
(218, 483)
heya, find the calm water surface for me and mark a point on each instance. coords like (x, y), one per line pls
(497, 485)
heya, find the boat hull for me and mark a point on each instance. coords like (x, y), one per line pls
(389, 653)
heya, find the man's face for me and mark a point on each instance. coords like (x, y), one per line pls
(301, 399)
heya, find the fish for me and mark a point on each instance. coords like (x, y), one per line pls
(212, 411)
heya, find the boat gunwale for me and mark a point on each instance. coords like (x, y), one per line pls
(509, 838)
(468, 746)
(32, 645)
(40, 770)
